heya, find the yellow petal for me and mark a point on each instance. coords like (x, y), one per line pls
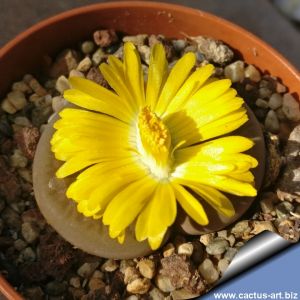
(222, 183)
(225, 145)
(192, 84)
(126, 205)
(190, 204)
(103, 106)
(215, 198)
(177, 77)
(158, 69)
(157, 215)
(116, 81)
(133, 73)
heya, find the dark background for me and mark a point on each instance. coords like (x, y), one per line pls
(258, 16)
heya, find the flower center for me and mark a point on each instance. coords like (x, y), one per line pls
(155, 143)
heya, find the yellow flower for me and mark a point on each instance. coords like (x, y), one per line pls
(141, 150)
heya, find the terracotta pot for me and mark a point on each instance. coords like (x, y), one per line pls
(25, 53)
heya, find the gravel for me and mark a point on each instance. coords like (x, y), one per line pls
(186, 266)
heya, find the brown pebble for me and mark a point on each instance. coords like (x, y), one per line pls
(105, 38)
(95, 75)
(146, 268)
(96, 284)
(27, 139)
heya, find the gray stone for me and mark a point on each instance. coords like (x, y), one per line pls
(230, 253)
(28, 254)
(87, 269)
(261, 103)
(291, 107)
(55, 288)
(164, 283)
(264, 92)
(275, 101)
(87, 47)
(272, 122)
(292, 148)
(62, 84)
(30, 232)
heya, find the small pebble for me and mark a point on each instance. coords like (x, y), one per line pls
(125, 263)
(62, 84)
(164, 283)
(267, 202)
(130, 274)
(137, 40)
(241, 228)
(21, 86)
(55, 288)
(19, 244)
(230, 253)
(110, 265)
(261, 103)
(87, 269)
(134, 297)
(139, 286)
(17, 99)
(22, 121)
(264, 92)
(98, 56)
(290, 107)
(28, 254)
(58, 103)
(179, 45)
(168, 250)
(280, 88)
(84, 65)
(252, 73)
(8, 107)
(185, 249)
(260, 226)
(87, 47)
(75, 282)
(275, 101)
(205, 239)
(35, 86)
(146, 268)
(96, 284)
(272, 122)
(208, 271)
(30, 232)
(280, 114)
(235, 71)
(223, 265)
(145, 53)
(75, 73)
(105, 37)
(156, 294)
(18, 160)
(217, 246)
(284, 209)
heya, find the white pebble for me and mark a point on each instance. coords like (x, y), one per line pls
(22, 121)
(235, 71)
(291, 107)
(185, 249)
(62, 84)
(84, 65)
(58, 103)
(75, 73)
(208, 271)
(271, 122)
(252, 73)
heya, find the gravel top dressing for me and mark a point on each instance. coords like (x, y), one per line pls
(40, 264)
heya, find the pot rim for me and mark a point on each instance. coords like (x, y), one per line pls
(141, 4)
(6, 288)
